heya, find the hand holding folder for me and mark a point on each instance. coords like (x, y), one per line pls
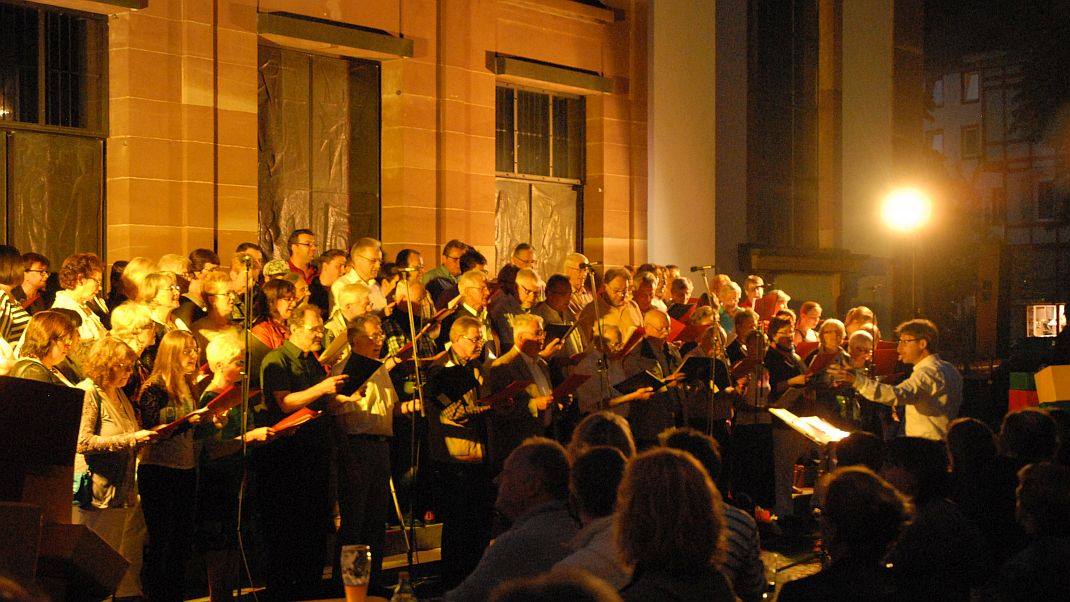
(506, 394)
(292, 422)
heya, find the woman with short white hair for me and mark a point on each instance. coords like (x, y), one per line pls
(132, 324)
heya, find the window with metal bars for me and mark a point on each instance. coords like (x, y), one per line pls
(52, 67)
(539, 134)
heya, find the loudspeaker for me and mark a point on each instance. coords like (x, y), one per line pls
(76, 564)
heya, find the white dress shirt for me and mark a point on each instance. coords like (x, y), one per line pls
(932, 396)
(375, 294)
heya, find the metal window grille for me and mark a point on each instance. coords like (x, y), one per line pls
(539, 134)
(52, 67)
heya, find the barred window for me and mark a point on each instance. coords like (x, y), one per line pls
(539, 134)
(52, 67)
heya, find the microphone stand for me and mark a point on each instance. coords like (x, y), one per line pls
(603, 364)
(706, 281)
(247, 318)
(414, 447)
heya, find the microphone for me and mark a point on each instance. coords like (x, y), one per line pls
(245, 258)
(408, 269)
(701, 268)
(589, 264)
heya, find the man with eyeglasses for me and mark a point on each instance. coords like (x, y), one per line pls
(366, 426)
(649, 417)
(577, 270)
(555, 309)
(35, 277)
(450, 268)
(353, 302)
(753, 289)
(302, 245)
(474, 292)
(528, 414)
(523, 256)
(613, 307)
(365, 259)
(508, 305)
(456, 432)
(293, 472)
(932, 394)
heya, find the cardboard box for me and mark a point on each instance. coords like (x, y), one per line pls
(1053, 384)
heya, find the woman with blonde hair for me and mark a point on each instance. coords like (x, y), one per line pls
(220, 478)
(167, 473)
(215, 288)
(107, 452)
(132, 324)
(133, 274)
(159, 291)
(670, 529)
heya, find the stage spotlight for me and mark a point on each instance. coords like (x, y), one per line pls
(907, 209)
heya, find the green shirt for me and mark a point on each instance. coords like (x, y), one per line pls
(288, 369)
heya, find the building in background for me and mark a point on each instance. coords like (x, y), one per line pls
(753, 135)
(1018, 189)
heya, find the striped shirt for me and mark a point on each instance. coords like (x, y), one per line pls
(13, 318)
(743, 563)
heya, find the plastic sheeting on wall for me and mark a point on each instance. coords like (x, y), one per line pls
(541, 213)
(55, 205)
(303, 148)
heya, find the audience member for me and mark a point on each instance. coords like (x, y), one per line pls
(670, 528)
(602, 429)
(575, 586)
(861, 515)
(742, 561)
(593, 482)
(1041, 571)
(532, 493)
(939, 556)
(982, 484)
(860, 449)
(1028, 436)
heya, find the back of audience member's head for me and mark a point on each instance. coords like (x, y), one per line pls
(860, 449)
(971, 446)
(602, 428)
(472, 260)
(861, 514)
(1029, 435)
(1044, 499)
(594, 479)
(564, 584)
(1062, 420)
(669, 516)
(916, 467)
(703, 447)
(547, 463)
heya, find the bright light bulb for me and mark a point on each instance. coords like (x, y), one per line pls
(907, 209)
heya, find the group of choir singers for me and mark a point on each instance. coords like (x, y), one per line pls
(341, 390)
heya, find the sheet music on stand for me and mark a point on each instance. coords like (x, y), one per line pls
(811, 427)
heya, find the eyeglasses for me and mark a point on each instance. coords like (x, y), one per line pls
(193, 351)
(313, 329)
(310, 245)
(901, 341)
(370, 260)
(533, 292)
(42, 272)
(176, 288)
(476, 341)
(453, 257)
(620, 292)
(378, 336)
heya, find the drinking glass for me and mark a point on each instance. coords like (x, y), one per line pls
(356, 564)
